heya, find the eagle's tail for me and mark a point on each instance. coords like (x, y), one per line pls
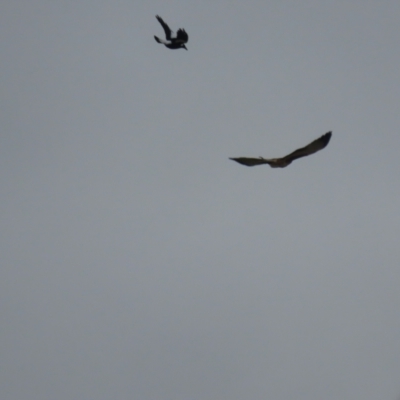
(158, 40)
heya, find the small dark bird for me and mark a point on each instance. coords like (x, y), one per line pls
(177, 42)
(311, 148)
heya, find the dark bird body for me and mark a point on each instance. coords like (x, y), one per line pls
(177, 42)
(282, 162)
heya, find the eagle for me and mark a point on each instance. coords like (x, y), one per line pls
(177, 42)
(313, 147)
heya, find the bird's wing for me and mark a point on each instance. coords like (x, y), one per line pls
(181, 35)
(311, 148)
(249, 161)
(165, 26)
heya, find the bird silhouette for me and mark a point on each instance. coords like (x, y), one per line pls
(177, 42)
(282, 162)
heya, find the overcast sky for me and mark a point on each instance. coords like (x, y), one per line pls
(138, 261)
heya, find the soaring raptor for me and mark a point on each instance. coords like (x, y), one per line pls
(282, 162)
(177, 42)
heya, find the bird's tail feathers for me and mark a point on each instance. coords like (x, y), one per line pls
(158, 40)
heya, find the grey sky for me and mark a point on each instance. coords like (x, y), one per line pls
(139, 262)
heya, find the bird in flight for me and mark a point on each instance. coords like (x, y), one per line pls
(177, 42)
(282, 162)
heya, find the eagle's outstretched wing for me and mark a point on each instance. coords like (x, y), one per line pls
(182, 36)
(313, 147)
(249, 161)
(165, 26)
(282, 162)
